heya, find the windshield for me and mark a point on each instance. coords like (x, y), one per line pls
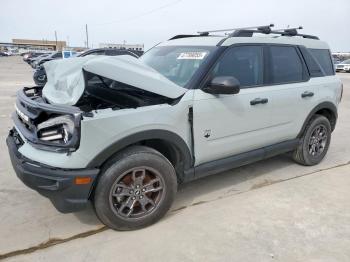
(177, 63)
(346, 62)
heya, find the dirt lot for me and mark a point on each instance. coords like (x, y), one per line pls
(274, 210)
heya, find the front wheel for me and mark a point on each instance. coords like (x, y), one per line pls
(314, 142)
(135, 189)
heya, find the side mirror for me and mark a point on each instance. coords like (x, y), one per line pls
(223, 85)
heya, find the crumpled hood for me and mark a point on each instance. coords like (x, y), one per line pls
(66, 83)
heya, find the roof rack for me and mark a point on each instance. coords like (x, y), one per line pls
(264, 27)
(265, 30)
(249, 32)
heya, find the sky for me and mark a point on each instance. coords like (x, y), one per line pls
(152, 21)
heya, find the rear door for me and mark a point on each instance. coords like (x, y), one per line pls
(291, 94)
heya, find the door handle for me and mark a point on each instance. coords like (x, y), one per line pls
(307, 94)
(259, 101)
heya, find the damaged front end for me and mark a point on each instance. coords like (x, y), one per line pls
(46, 126)
(50, 117)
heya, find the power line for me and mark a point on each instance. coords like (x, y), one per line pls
(87, 36)
(142, 14)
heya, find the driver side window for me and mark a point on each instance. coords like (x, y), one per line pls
(245, 63)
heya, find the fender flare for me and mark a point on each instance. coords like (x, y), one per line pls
(325, 105)
(165, 135)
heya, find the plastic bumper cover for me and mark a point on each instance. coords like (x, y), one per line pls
(54, 183)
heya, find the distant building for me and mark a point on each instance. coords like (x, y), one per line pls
(40, 44)
(136, 47)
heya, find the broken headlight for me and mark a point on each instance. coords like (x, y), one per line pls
(57, 130)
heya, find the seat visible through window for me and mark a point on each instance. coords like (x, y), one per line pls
(244, 63)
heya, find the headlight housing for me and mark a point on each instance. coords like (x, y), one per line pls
(57, 130)
(60, 134)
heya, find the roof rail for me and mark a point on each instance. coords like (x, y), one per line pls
(203, 33)
(249, 31)
(182, 36)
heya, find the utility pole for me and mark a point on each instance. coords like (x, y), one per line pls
(56, 38)
(87, 36)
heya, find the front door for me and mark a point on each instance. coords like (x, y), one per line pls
(226, 125)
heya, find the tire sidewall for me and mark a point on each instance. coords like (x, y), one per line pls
(309, 159)
(122, 164)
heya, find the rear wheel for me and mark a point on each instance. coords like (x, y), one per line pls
(314, 142)
(136, 189)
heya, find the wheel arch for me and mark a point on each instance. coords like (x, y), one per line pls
(327, 109)
(168, 143)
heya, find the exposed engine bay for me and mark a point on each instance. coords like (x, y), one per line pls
(101, 93)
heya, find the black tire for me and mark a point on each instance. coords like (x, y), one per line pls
(306, 153)
(133, 170)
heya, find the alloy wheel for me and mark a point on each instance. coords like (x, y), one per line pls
(137, 193)
(318, 140)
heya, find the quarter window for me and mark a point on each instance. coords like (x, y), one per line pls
(245, 63)
(323, 57)
(285, 65)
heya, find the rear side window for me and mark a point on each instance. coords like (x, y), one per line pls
(245, 63)
(323, 57)
(285, 65)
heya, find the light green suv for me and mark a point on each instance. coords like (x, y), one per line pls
(122, 132)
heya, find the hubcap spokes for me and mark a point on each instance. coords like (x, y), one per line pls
(318, 140)
(137, 192)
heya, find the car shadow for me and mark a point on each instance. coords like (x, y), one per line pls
(213, 187)
(234, 181)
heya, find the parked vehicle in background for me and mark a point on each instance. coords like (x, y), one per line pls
(343, 66)
(53, 56)
(123, 132)
(31, 60)
(111, 52)
(40, 77)
(68, 53)
(3, 54)
(31, 55)
(8, 53)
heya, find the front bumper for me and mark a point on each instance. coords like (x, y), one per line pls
(54, 183)
(342, 69)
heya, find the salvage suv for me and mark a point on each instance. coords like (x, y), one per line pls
(122, 132)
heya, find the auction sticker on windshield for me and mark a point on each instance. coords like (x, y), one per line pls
(192, 55)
